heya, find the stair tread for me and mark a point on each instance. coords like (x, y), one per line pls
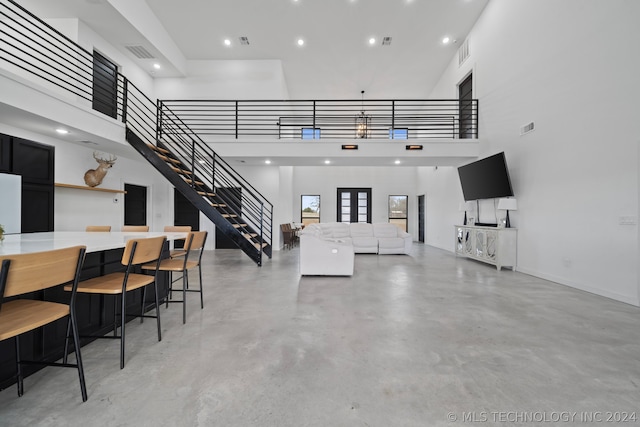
(204, 193)
(238, 225)
(218, 205)
(158, 149)
(229, 216)
(181, 171)
(190, 181)
(169, 159)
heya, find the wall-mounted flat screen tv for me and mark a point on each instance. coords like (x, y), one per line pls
(487, 178)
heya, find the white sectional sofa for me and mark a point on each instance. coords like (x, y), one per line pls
(329, 248)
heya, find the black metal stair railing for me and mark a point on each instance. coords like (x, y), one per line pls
(212, 185)
(35, 51)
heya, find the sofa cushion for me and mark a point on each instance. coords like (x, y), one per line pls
(385, 230)
(341, 230)
(361, 229)
(365, 245)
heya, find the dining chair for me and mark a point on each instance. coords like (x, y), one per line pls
(194, 248)
(98, 228)
(136, 253)
(27, 276)
(129, 228)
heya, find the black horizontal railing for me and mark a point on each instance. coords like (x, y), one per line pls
(330, 119)
(33, 49)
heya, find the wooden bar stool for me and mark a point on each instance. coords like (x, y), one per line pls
(136, 252)
(100, 228)
(129, 228)
(195, 242)
(26, 274)
(177, 229)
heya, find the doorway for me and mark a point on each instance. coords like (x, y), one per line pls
(354, 205)
(135, 205)
(233, 199)
(105, 85)
(465, 105)
(184, 213)
(421, 218)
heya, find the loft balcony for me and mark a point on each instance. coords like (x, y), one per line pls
(45, 76)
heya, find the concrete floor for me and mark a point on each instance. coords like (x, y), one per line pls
(421, 340)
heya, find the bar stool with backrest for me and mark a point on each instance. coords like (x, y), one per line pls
(25, 274)
(136, 252)
(176, 252)
(195, 243)
(136, 228)
(101, 228)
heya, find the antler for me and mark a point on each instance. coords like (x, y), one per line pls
(112, 158)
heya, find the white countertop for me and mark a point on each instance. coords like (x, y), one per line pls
(94, 241)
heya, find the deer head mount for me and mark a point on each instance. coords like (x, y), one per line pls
(93, 177)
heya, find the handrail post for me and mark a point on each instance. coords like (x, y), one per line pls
(314, 120)
(236, 119)
(393, 119)
(158, 121)
(193, 163)
(125, 98)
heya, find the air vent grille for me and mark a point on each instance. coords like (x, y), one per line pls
(463, 52)
(529, 127)
(386, 41)
(244, 41)
(140, 52)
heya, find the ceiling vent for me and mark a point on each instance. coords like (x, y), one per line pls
(386, 41)
(140, 52)
(244, 41)
(529, 127)
(463, 52)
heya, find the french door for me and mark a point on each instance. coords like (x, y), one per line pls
(354, 205)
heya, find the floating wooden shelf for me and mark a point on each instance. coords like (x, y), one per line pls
(85, 187)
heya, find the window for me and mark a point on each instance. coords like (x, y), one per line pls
(354, 205)
(398, 211)
(310, 133)
(310, 209)
(399, 133)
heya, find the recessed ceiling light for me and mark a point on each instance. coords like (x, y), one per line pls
(62, 131)
(227, 42)
(372, 40)
(268, 162)
(300, 42)
(156, 66)
(326, 162)
(446, 40)
(397, 162)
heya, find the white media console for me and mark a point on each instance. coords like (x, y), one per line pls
(497, 246)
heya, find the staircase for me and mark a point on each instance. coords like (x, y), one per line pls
(236, 208)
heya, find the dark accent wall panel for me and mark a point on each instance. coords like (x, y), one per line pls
(37, 208)
(34, 161)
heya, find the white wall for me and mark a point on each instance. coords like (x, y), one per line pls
(75, 209)
(242, 79)
(384, 182)
(567, 67)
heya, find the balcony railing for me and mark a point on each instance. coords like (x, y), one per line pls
(36, 51)
(329, 119)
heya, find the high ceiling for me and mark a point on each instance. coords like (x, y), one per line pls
(336, 61)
